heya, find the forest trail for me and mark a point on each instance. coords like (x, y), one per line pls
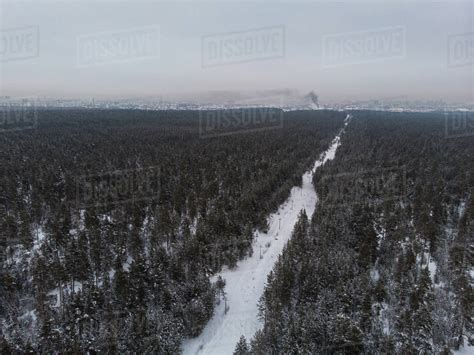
(245, 283)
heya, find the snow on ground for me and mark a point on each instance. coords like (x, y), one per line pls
(40, 238)
(30, 314)
(245, 283)
(432, 268)
(374, 275)
(467, 350)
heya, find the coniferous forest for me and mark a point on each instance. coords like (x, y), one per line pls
(385, 264)
(114, 221)
(270, 177)
(89, 267)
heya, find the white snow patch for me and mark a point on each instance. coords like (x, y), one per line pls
(432, 268)
(467, 350)
(245, 283)
(29, 315)
(374, 275)
(40, 237)
(127, 263)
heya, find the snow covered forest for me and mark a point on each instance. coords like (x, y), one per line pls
(384, 264)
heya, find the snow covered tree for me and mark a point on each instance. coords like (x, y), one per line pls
(242, 348)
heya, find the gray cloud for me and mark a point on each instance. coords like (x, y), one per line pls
(422, 71)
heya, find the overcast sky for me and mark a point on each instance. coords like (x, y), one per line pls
(183, 36)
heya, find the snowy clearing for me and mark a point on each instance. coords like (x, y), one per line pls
(467, 350)
(245, 283)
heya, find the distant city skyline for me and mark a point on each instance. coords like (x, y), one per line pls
(344, 51)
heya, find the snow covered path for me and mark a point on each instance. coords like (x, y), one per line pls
(245, 283)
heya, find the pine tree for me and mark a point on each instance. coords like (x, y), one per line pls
(422, 319)
(242, 348)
